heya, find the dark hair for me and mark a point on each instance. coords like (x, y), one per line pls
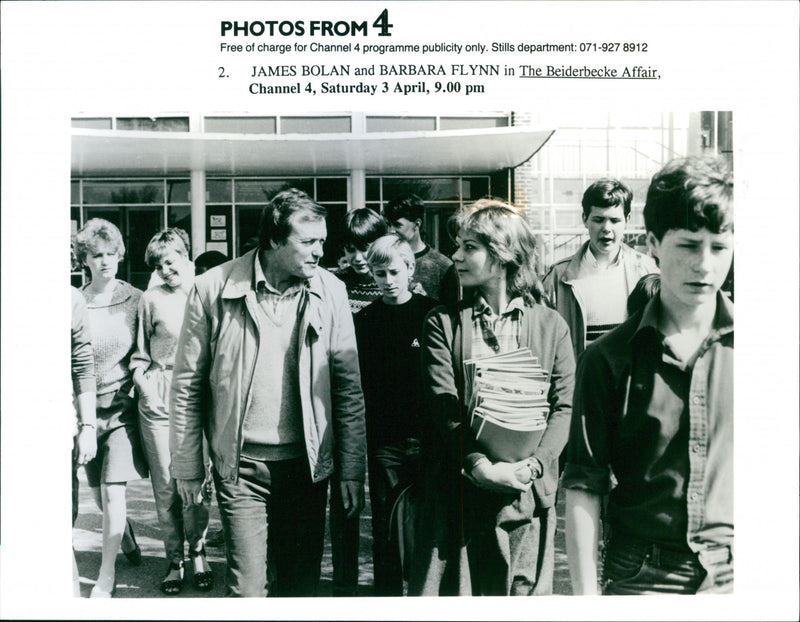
(362, 227)
(161, 243)
(210, 259)
(408, 206)
(643, 292)
(275, 225)
(502, 228)
(690, 193)
(605, 193)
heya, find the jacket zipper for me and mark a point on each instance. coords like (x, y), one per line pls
(239, 440)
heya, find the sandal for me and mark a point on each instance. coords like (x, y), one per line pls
(170, 587)
(203, 580)
(134, 556)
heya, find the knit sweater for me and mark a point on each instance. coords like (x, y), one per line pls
(361, 288)
(430, 269)
(161, 312)
(82, 358)
(113, 329)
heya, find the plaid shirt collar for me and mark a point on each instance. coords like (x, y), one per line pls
(480, 307)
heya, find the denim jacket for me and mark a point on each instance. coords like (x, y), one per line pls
(214, 368)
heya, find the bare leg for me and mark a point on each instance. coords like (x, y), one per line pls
(76, 579)
(114, 516)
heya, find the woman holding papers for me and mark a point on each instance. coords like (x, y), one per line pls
(498, 370)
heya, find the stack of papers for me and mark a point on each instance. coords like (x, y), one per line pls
(509, 406)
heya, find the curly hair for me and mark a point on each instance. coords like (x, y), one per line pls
(505, 232)
(94, 232)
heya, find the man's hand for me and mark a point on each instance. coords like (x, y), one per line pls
(189, 490)
(87, 444)
(352, 497)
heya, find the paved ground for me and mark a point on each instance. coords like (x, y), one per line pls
(143, 581)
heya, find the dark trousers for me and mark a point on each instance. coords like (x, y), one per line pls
(273, 519)
(635, 566)
(391, 469)
(344, 544)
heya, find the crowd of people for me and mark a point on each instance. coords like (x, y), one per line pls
(279, 387)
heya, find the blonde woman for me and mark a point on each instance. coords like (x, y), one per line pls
(161, 311)
(491, 532)
(112, 307)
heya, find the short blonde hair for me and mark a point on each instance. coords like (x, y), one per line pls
(387, 248)
(164, 241)
(94, 232)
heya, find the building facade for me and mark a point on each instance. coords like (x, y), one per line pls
(211, 174)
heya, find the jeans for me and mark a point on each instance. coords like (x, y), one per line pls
(175, 521)
(273, 519)
(634, 566)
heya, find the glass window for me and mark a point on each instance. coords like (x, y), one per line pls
(178, 191)
(569, 191)
(331, 189)
(400, 124)
(428, 189)
(373, 189)
(437, 230)
(262, 190)
(240, 125)
(100, 123)
(568, 217)
(75, 192)
(467, 123)
(315, 125)
(149, 124)
(219, 190)
(334, 244)
(638, 187)
(117, 192)
(180, 216)
(473, 188)
(247, 219)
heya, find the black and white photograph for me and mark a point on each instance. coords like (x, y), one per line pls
(361, 314)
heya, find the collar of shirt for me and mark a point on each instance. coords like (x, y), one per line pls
(589, 261)
(262, 282)
(481, 307)
(722, 325)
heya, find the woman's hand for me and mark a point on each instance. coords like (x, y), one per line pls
(503, 476)
(87, 444)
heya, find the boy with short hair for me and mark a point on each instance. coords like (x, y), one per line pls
(388, 333)
(362, 227)
(654, 405)
(406, 215)
(590, 288)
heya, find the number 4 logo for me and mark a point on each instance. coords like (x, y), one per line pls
(382, 24)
